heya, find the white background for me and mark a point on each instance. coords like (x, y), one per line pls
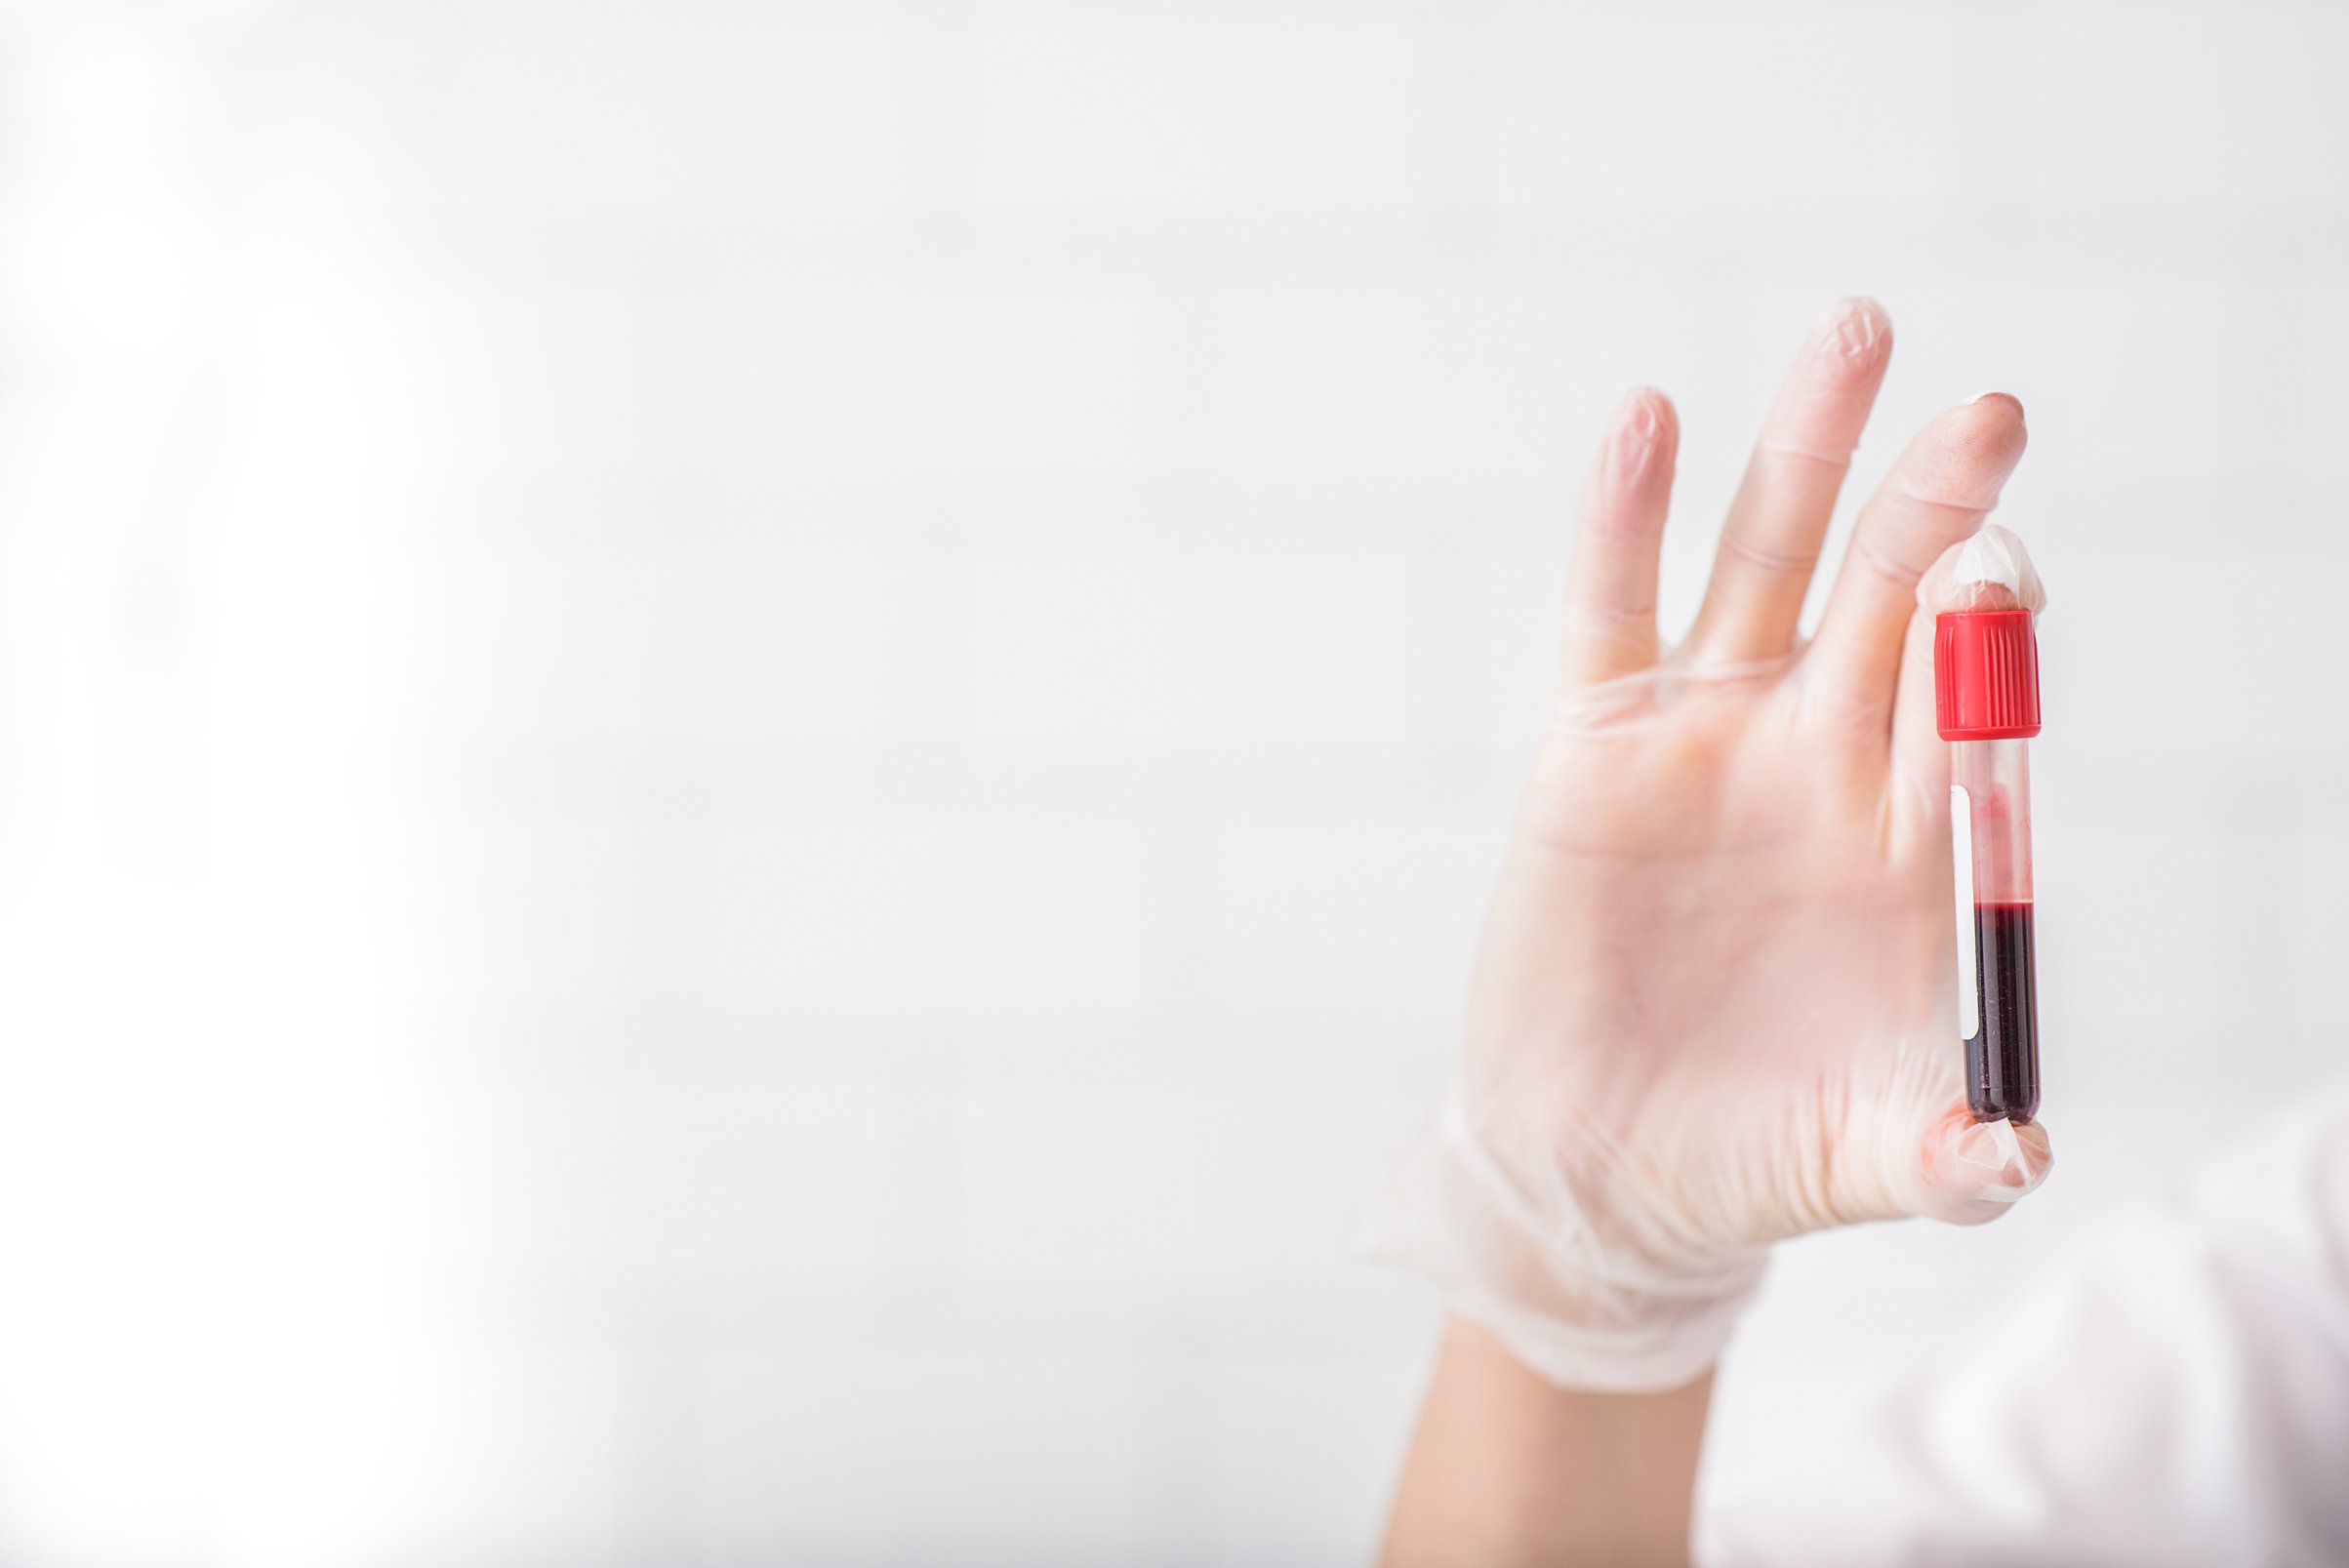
(747, 752)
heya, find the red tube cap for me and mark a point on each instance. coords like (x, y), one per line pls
(1986, 675)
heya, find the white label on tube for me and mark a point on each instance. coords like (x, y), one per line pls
(1962, 853)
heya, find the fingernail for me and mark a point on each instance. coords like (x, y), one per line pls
(1989, 1155)
(1976, 1153)
(1857, 328)
(1981, 397)
(1638, 427)
(1638, 412)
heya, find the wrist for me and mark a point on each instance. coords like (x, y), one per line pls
(1535, 1257)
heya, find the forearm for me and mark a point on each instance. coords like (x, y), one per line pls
(1509, 1472)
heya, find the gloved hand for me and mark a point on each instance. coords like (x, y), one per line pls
(1715, 1000)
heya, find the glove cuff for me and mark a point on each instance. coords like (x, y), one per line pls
(1525, 1260)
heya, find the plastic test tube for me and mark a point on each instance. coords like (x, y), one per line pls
(1986, 686)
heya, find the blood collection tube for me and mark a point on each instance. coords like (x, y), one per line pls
(1986, 690)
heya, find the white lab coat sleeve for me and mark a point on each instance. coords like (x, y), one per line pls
(2178, 1393)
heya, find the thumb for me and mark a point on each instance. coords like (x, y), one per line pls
(1975, 1170)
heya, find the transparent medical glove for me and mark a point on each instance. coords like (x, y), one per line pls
(1715, 1005)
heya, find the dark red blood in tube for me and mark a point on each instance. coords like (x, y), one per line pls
(2002, 1058)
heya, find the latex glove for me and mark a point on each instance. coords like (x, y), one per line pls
(1715, 1005)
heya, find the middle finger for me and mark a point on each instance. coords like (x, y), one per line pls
(1770, 542)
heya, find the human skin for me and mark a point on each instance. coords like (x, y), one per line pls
(1679, 870)
(1509, 1472)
